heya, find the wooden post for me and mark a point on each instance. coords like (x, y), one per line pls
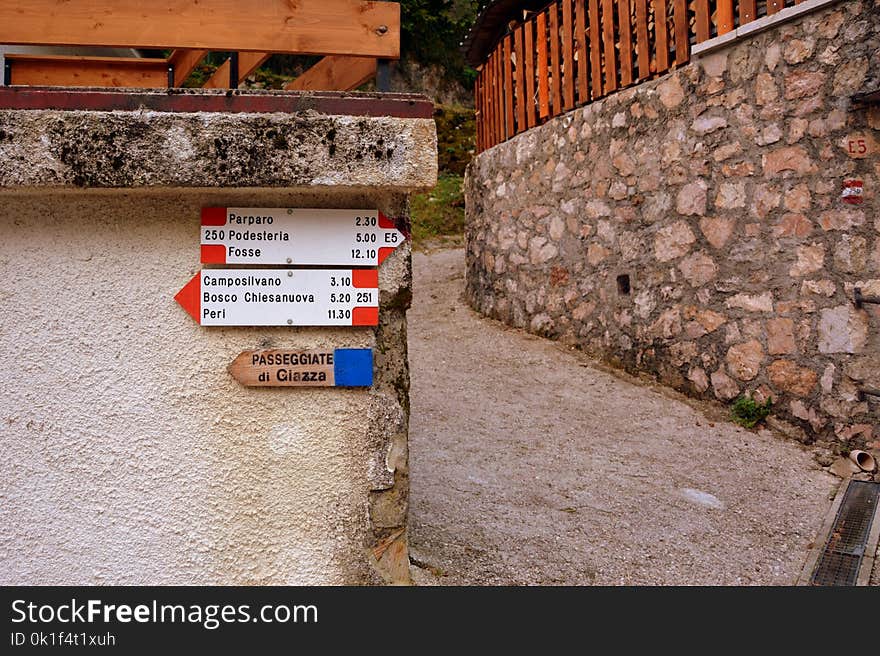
(542, 70)
(520, 79)
(567, 55)
(508, 89)
(556, 81)
(529, 72)
(724, 16)
(643, 47)
(701, 20)
(682, 32)
(583, 52)
(609, 40)
(625, 28)
(661, 36)
(595, 50)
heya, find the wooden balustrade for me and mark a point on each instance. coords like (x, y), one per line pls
(350, 34)
(576, 51)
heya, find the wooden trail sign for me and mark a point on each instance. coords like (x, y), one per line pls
(282, 297)
(286, 368)
(297, 236)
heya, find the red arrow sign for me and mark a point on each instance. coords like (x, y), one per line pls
(295, 235)
(282, 297)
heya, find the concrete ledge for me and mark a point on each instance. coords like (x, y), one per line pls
(400, 105)
(759, 25)
(148, 148)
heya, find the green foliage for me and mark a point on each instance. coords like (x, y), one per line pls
(747, 413)
(440, 211)
(456, 132)
(431, 31)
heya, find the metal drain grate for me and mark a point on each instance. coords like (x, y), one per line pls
(843, 553)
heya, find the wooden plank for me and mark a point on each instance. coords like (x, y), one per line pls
(317, 27)
(487, 104)
(580, 40)
(542, 70)
(335, 73)
(701, 20)
(495, 106)
(529, 71)
(643, 48)
(478, 119)
(184, 63)
(248, 62)
(555, 64)
(682, 45)
(724, 16)
(499, 97)
(490, 115)
(508, 89)
(661, 36)
(520, 79)
(487, 121)
(748, 11)
(481, 115)
(567, 54)
(595, 50)
(774, 6)
(626, 52)
(609, 40)
(490, 119)
(74, 71)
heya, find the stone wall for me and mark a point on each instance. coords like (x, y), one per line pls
(693, 227)
(130, 455)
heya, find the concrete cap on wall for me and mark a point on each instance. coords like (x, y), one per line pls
(104, 138)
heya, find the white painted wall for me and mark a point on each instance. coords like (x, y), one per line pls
(128, 454)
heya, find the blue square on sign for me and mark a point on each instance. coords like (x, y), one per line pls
(353, 367)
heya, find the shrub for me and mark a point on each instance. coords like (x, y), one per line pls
(746, 412)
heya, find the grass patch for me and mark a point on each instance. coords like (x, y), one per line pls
(439, 212)
(747, 413)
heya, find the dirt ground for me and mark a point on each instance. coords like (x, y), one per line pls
(530, 465)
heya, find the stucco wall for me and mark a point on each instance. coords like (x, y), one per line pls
(129, 454)
(716, 190)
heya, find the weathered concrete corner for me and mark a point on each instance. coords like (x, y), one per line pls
(116, 149)
(123, 431)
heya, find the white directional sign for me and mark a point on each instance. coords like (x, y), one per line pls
(278, 235)
(279, 297)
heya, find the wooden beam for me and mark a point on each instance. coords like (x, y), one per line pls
(184, 63)
(595, 50)
(542, 69)
(248, 62)
(521, 99)
(529, 70)
(316, 27)
(507, 70)
(568, 54)
(661, 35)
(682, 44)
(73, 71)
(335, 73)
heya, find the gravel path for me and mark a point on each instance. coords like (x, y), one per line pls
(531, 466)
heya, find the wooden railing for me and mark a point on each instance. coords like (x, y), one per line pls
(577, 51)
(355, 37)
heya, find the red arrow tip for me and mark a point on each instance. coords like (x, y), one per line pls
(190, 297)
